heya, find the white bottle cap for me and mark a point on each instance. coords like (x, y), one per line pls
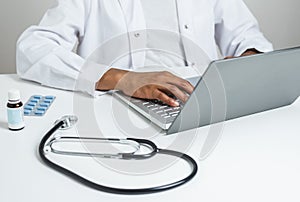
(14, 95)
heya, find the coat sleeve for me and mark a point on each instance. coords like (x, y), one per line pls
(236, 29)
(44, 52)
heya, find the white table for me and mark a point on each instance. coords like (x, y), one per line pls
(256, 159)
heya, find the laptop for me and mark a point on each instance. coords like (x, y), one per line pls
(229, 89)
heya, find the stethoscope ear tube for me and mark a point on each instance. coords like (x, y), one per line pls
(115, 190)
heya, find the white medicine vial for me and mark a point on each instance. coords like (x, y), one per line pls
(15, 114)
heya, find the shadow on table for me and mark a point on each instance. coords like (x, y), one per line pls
(3, 125)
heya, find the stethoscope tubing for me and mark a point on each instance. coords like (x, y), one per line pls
(115, 190)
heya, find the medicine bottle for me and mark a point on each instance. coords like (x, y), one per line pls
(15, 116)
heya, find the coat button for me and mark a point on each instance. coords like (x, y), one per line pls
(137, 35)
(186, 26)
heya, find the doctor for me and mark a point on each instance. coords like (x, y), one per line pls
(45, 52)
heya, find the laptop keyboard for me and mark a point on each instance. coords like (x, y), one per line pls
(161, 111)
(158, 112)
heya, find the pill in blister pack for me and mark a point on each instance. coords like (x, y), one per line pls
(37, 105)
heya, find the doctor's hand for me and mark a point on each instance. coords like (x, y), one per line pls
(147, 85)
(248, 52)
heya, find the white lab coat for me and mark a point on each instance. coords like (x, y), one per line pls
(44, 52)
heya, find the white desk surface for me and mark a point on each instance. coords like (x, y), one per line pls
(256, 159)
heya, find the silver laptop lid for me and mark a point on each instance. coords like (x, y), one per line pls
(242, 86)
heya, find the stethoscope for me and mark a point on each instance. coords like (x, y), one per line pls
(66, 122)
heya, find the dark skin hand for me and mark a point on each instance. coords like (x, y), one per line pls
(151, 85)
(148, 85)
(246, 53)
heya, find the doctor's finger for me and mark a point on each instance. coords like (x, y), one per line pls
(183, 85)
(177, 92)
(162, 96)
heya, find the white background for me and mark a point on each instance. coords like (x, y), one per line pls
(278, 20)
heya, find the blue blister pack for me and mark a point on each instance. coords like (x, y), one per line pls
(37, 105)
